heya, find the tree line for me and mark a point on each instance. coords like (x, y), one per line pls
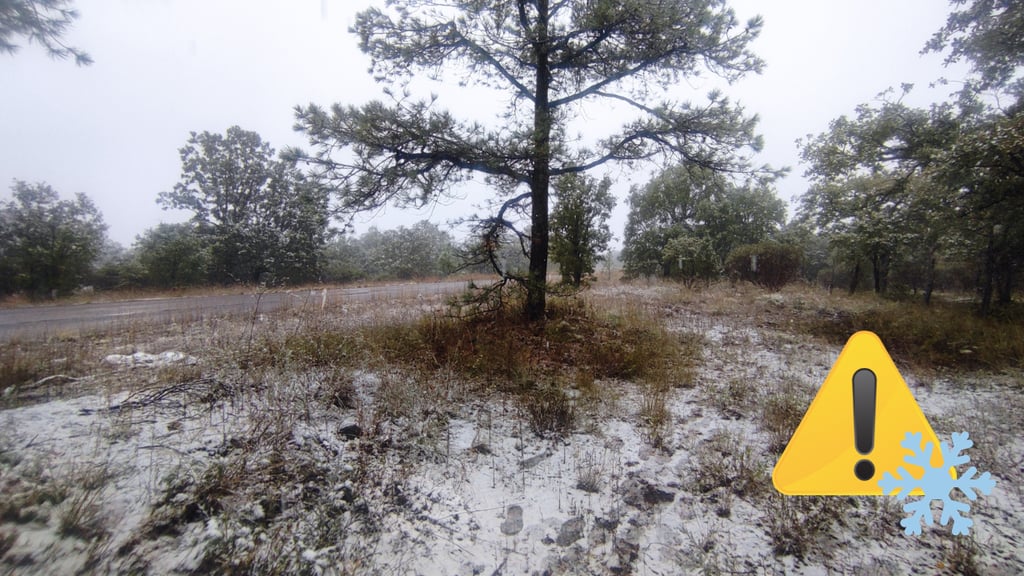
(902, 199)
(257, 219)
(915, 197)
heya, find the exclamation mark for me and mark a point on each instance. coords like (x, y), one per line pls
(864, 389)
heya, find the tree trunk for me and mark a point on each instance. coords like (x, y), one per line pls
(988, 276)
(929, 285)
(880, 271)
(536, 282)
(1004, 286)
(855, 277)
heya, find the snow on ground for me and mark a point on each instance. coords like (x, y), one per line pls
(146, 482)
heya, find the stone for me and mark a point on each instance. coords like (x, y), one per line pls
(654, 495)
(571, 531)
(350, 431)
(513, 520)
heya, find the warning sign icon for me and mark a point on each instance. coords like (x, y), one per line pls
(852, 431)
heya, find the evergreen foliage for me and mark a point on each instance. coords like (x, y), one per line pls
(261, 218)
(47, 245)
(768, 264)
(686, 220)
(173, 256)
(579, 225)
(552, 60)
(420, 251)
(43, 22)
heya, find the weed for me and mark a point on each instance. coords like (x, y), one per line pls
(339, 388)
(654, 413)
(732, 398)
(781, 412)
(962, 555)
(550, 410)
(797, 524)
(589, 479)
(725, 460)
(82, 516)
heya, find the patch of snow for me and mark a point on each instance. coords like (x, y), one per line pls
(144, 360)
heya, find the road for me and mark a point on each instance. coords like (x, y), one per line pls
(37, 321)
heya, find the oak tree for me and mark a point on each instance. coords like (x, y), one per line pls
(262, 218)
(48, 244)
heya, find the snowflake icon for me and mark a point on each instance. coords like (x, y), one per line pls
(937, 483)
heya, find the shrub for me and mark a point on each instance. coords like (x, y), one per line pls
(768, 264)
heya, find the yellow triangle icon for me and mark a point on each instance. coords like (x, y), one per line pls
(830, 454)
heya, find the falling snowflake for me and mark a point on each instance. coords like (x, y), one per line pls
(937, 483)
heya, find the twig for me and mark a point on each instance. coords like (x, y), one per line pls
(56, 376)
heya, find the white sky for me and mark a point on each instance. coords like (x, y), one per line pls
(164, 68)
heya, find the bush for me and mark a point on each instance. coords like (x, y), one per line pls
(768, 264)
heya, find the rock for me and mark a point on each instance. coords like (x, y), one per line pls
(653, 495)
(571, 531)
(350, 431)
(513, 520)
(639, 494)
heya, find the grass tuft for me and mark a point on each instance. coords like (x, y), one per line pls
(550, 410)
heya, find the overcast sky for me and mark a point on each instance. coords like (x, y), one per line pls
(164, 68)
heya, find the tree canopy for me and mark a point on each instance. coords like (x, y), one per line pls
(552, 60)
(579, 224)
(987, 33)
(47, 244)
(693, 216)
(906, 189)
(263, 219)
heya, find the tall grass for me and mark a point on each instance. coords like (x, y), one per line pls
(945, 334)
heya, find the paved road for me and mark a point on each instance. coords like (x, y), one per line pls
(50, 319)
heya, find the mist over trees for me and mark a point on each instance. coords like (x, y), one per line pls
(47, 244)
(686, 220)
(422, 250)
(915, 193)
(551, 60)
(261, 219)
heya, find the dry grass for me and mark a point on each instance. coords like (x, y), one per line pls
(401, 371)
(502, 350)
(42, 368)
(947, 334)
(782, 408)
(728, 461)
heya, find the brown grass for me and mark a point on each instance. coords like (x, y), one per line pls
(945, 334)
(948, 334)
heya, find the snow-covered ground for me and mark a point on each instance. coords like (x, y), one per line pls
(275, 479)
